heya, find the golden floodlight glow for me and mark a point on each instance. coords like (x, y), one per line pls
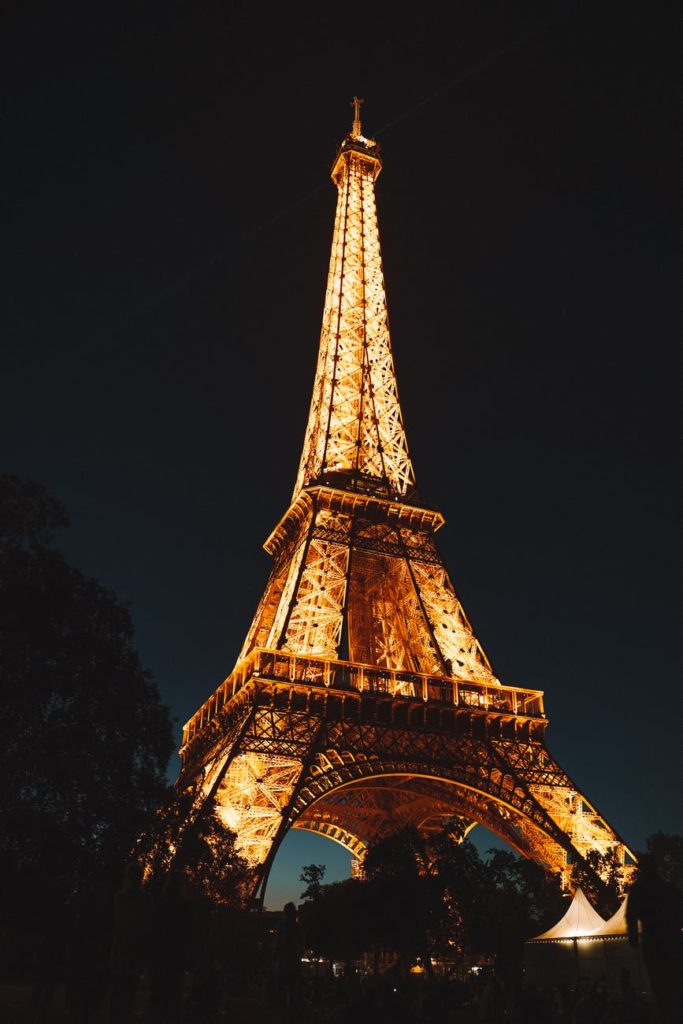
(362, 700)
(355, 424)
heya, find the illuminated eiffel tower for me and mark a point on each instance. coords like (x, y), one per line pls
(361, 700)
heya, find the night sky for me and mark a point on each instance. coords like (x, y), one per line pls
(167, 217)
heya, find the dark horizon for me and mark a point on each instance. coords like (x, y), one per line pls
(169, 221)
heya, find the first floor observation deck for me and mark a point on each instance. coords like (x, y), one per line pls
(297, 671)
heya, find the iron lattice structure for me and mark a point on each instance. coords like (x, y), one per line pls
(361, 700)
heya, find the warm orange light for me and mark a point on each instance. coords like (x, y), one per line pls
(357, 570)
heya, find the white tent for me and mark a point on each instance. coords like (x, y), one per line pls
(580, 919)
(583, 947)
(616, 924)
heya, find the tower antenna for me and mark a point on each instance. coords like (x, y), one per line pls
(356, 132)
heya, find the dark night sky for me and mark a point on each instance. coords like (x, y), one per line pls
(168, 215)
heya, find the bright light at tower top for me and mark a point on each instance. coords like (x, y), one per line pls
(356, 103)
(356, 130)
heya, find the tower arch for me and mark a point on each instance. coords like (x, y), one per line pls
(374, 805)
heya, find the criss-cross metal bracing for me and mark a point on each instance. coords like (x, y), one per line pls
(355, 426)
(354, 751)
(362, 699)
(371, 565)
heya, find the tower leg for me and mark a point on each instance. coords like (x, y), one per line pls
(263, 871)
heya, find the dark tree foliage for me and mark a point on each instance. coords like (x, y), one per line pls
(519, 900)
(405, 893)
(312, 875)
(433, 895)
(339, 922)
(667, 851)
(190, 837)
(84, 737)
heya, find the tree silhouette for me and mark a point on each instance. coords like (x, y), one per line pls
(667, 851)
(312, 875)
(432, 895)
(84, 737)
(190, 837)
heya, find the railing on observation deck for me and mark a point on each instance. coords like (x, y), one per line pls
(284, 667)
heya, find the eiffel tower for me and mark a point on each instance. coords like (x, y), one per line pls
(361, 700)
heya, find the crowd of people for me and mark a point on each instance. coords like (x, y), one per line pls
(153, 957)
(486, 998)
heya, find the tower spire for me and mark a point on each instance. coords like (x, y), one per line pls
(356, 132)
(355, 436)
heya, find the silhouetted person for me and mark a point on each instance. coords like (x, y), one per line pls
(289, 948)
(592, 1005)
(87, 954)
(168, 948)
(130, 933)
(48, 964)
(658, 907)
(530, 1004)
(629, 1003)
(491, 1001)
